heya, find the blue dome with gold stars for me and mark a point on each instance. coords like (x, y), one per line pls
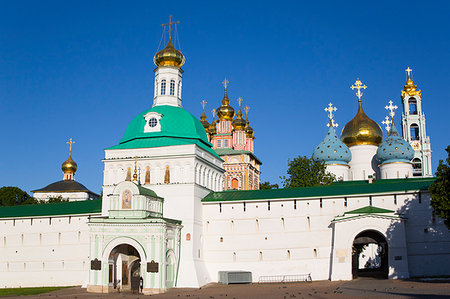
(395, 148)
(332, 150)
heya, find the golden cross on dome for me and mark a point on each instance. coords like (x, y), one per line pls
(239, 101)
(225, 83)
(135, 175)
(387, 122)
(330, 109)
(213, 113)
(409, 70)
(247, 108)
(391, 108)
(170, 25)
(358, 85)
(203, 104)
(70, 142)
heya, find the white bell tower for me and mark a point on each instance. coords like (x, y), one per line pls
(414, 129)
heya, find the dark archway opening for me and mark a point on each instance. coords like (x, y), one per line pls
(370, 255)
(124, 268)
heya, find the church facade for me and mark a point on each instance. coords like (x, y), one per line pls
(168, 218)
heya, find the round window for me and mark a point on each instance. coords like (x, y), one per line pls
(152, 122)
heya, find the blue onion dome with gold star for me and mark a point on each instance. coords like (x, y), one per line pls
(225, 111)
(332, 150)
(361, 130)
(169, 56)
(395, 148)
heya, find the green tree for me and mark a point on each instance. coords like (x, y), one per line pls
(13, 196)
(268, 185)
(53, 199)
(305, 172)
(440, 190)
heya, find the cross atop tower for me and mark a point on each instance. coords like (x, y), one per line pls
(408, 70)
(70, 142)
(213, 113)
(247, 108)
(240, 101)
(387, 122)
(330, 109)
(203, 104)
(391, 108)
(225, 83)
(170, 25)
(358, 85)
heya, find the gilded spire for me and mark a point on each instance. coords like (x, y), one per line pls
(69, 167)
(409, 88)
(225, 111)
(212, 127)
(239, 122)
(169, 56)
(248, 129)
(203, 118)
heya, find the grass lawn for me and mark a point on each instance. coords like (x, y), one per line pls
(28, 291)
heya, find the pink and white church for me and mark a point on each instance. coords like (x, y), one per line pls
(166, 217)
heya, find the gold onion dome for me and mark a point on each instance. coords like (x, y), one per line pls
(203, 120)
(169, 56)
(410, 88)
(213, 128)
(69, 166)
(249, 130)
(239, 123)
(361, 130)
(225, 112)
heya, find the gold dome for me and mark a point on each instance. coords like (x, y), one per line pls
(169, 56)
(239, 122)
(69, 166)
(225, 112)
(361, 130)
(203, 118)
(410, 88)
(212, 128)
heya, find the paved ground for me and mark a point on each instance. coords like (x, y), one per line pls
(359, 288)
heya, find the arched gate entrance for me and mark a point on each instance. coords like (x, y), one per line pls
(370, 255)
(124, 268)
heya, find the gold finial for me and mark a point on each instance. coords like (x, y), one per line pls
(330, 109)
(135, 175)
(409, 70)
(203, 104)
(391, 108)
(239, 101)
(247, 108)
(70, 142)
(170, 25)
(358, 85)
(387, 122)
(225, 83)
(213, 113)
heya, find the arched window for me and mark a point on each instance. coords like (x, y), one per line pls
(188, 237)
(147, 175)
(417, 167)
(163, 87)
(260, 256)
(412, 106)
(172, 87)
(288, 255)
(308, 223)
(414, 129)
(234, 183)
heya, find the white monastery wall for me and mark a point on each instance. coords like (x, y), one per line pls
(286, 240)
(44, 251)
(71, 196)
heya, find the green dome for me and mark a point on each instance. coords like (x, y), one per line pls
(178, 127)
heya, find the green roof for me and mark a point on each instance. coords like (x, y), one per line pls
(146, 191)
(230, 152)
(52, 209)
(336, 189)
(178, 127)
(369, 210)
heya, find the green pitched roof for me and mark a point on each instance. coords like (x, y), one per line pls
(52, 209)
(369, 210)
(336, 189)
(230, 152)
(146, 191)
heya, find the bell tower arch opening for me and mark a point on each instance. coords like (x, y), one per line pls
(370, 255)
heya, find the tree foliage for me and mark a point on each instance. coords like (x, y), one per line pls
(305, 172)
(267, 185)
(440, 190)
(13, 196)
(53, 199)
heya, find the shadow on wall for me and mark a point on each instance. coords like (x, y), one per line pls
(427, 237)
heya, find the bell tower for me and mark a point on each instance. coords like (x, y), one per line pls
(414, 129)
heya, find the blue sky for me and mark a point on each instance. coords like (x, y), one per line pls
(84, 69)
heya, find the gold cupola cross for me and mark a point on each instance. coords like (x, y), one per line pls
(170, 25)
(387, 122)
(225, 83)
(70, 142)
(391, 108)
(408, 70)
(330, 109)
(358, 85)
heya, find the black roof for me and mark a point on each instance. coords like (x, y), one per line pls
(65, 186)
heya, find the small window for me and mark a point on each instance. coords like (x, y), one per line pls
(163, 87)
(315, 252)
(245, 207)
(260, 256)
(221, 239)
(172, 87)
(268, 205)
(321, 203)
(220, 207)
(219, 143)
(414, 129)
(295, 204)
(179, 89)
(370, 200)
(345, 202)
(225, 143)
(188, 237)
(288, 255)
(395, 199)
(412, 106)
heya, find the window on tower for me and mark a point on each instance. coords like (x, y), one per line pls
(219, 143)
(163, 87)
(225, 143)
(172, 87)
(417, 167)
(414, 129)
(412, 106)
